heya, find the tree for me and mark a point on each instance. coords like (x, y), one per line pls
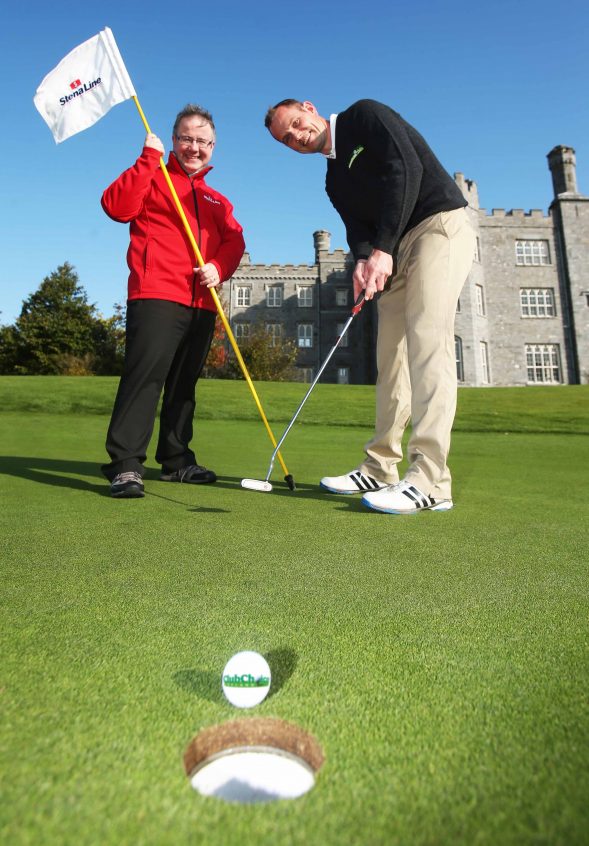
(8, 349)
(58, 331)
(110, 350)
(217, 357)
(267, 358)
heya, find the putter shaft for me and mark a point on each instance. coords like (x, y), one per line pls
(357, 306)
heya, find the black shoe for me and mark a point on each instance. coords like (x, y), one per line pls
(194, 474)
(128, 485)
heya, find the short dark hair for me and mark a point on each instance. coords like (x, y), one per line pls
(192, 110)
(272, 110)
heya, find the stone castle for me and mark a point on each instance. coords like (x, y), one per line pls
(523, 314)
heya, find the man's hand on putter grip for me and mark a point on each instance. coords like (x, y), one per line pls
(153, 141)
(371, 274)
(208, 275)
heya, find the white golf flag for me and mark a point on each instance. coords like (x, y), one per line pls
(84, 86)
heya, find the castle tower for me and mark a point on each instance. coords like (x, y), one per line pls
(563, 166)
(570, 212)
(469, 190)
(322, 241)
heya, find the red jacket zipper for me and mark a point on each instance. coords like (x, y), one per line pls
(198, 238)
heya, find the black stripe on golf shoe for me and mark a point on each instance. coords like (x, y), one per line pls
(419, 499)
(364, 482)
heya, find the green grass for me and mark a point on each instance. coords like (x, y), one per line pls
(560, 409)
(441, 660)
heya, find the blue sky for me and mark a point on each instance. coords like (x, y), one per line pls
(492, 86)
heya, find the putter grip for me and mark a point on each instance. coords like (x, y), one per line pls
(359, 303)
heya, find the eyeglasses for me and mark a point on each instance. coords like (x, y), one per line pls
(187, 141)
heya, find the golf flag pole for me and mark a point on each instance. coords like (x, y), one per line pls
(287, 476)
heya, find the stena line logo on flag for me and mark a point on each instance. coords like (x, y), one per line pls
(83, 87)
(78, 89)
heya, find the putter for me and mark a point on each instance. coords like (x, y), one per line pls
(265, 486)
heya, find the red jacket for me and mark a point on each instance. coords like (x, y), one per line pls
(160, 255)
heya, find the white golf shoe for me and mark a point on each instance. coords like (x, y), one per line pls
(404, 498)
(351, 483)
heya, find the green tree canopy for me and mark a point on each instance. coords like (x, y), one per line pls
(59, 331)
(267, 358)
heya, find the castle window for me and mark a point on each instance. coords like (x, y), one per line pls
(341, 297)
(305, 296)
(306, 374)
(537, 302)
(532, 253)
(274, 330)
(343, 375)
(274, 296)
(543, 363)
(484, 363)
(344, 340)
(481, 311)
(243, 295)
(459, 358)
(241, 331)
(458, 306)
(305, 335)
(477, 249)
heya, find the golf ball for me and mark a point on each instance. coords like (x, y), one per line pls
(246, 679)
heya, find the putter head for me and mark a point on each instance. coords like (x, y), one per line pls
(256, 485)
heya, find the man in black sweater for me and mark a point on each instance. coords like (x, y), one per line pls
(411, 240)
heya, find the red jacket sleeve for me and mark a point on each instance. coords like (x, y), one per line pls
(123, 200)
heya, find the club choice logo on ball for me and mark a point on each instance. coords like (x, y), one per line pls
(246, 679)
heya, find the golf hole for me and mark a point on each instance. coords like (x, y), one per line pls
(255, 760)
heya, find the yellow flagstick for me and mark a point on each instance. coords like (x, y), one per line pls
(287, 477)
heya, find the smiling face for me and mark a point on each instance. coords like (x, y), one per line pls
(193, 143)
(301, 128)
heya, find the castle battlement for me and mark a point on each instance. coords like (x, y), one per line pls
(264, 271)
(515, 214)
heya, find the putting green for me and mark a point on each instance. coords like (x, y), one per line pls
(440, 661)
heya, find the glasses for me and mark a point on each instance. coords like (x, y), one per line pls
(187, 141)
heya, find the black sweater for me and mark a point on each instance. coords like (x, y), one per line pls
(385, 179)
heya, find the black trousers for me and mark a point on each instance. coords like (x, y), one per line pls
(166, 347)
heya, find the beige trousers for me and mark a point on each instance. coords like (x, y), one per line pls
(416, 354)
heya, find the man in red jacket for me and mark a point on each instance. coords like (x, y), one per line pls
(170, 311)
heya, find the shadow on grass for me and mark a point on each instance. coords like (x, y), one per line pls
(54, 472)
(200, 509)
(280, 488)
(207, 684)
(282, 662)
(62, 473)
(202, 683)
